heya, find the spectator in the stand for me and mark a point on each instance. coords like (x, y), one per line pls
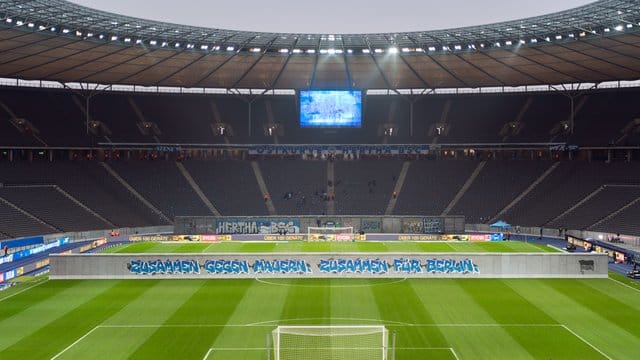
(6, 250)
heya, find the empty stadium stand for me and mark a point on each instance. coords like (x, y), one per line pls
(296, 186)
(60, 118)
(365, 186)
(229, 184)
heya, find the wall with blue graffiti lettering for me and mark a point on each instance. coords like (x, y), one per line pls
(327, 265)
(257, 226)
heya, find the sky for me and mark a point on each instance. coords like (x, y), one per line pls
(332, 16)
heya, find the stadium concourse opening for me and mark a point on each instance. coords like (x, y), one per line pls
(179, 192)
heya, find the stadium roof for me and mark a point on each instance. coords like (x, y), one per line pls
(61, 41)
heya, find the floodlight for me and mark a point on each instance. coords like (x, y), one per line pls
(393, 50)
(177, 45)
(558, 37)
(571, 36)
(204, 47)
(349, 51)
(419, 50)
(153, 42)
(127, 40)
(53, 29)
(164, 44)
(521, 42)
(508, 43)
(457, 47)
(331, 51)
(78, 33)
(366, 51)
(138, 41)
(629, 26)
(19, 23)
(607, 29)
(9, 20)
(582, 34)
(619, 28)
(323, 51)
(230, 48)
(216, 48)
(283, 51)
(547, 38)
(311, 51)
(30, 25)
(534, 41)
(405, 50)
(296, 51)
(255, 49)
(338, 51)
(432, 48)
(41, 27)
(114, 38)
(497, 44)
(378, 51)
(65, 31)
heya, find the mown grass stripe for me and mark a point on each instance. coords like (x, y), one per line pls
(400, 302)
(213, 302)
(505, 305)
(112, 297)
(311, 304)
(266, 303)
(581, 316)
(448, 303)
(40, 311)
(608, 306)
(359, 246)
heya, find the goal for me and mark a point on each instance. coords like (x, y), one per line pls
(330, 233)
(336, 342)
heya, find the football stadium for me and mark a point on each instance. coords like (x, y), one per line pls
(177, 191)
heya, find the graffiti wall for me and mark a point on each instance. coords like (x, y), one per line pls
(327, 265)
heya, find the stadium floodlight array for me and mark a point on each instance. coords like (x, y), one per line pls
(352, 342)
(330, 233)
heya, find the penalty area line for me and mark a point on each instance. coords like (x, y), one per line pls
(586, 342)
(75, 342)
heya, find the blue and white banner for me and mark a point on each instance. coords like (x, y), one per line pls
(364, 149)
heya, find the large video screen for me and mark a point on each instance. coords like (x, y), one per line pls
(330, 108)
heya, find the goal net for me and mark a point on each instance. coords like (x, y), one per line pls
(336, 342)
(330, 233)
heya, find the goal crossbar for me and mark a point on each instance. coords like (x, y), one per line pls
(353, 342)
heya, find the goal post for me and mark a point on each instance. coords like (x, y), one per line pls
(336, 342)
(330, 233)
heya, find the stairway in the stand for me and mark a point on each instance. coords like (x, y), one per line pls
(464, 188)
(397, 188)
(263, 187)
(525, 192)
(331, 188)
(133, 191)
(196, 189)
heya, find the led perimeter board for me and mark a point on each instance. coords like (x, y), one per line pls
(331, 108)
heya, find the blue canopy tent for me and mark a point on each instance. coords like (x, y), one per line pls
(500, 224)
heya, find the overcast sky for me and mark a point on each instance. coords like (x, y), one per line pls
(332, 16)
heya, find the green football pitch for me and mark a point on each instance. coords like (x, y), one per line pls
(232, 319)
